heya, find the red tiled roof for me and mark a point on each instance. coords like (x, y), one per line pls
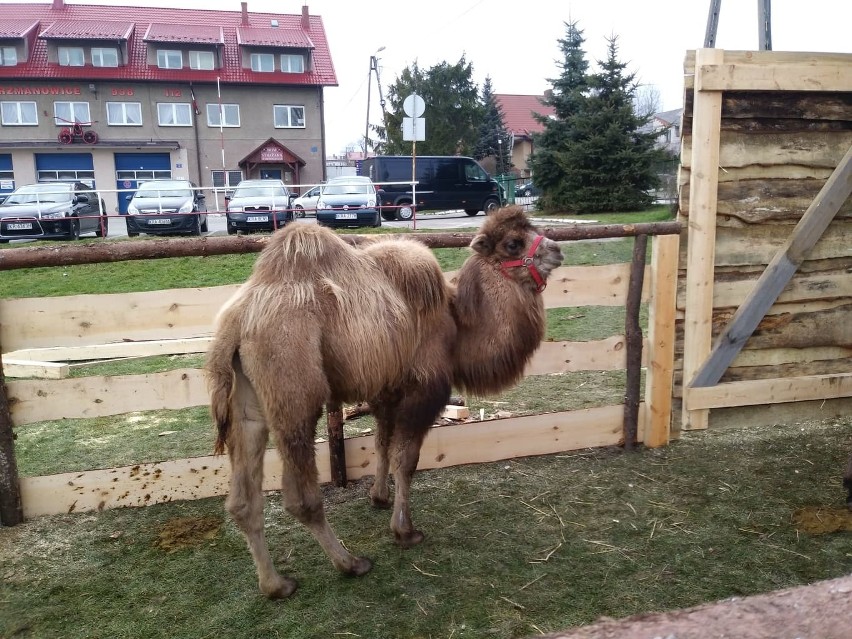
(16, 28)
(321, 71)
(196, 33)
(518, 113)
(273, 37)
(87, 30)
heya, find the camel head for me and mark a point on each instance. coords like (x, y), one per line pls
(512, 244)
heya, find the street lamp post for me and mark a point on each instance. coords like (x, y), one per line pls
(374, 66)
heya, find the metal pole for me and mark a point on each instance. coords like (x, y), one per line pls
(367, 127)
(712, 24)
(764, 25)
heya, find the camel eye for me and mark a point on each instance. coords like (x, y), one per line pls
(513, 246)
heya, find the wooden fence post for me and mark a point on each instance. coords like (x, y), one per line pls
(336, 445)
(633, 339)
(11, 510)
(661, 339)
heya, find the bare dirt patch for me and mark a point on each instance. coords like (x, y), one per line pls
(186, 532)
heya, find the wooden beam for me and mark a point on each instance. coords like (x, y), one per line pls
(199, 477)
(769, 391)
(28, 368)
(633, 337)
(115, 350)
(11, 509)
(774, 77)
(703, 192)
(777, 275)
(661, 340)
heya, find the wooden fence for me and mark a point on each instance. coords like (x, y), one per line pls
(47, 336)
(764, 331)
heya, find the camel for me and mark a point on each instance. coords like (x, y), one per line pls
(321, 321)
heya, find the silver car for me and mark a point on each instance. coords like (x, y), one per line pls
(164, 207)
(348, 201)
(258, 205)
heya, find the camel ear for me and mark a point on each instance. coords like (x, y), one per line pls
(483, 245)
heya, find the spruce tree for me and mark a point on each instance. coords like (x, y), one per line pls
(491, 129)
(548, 161)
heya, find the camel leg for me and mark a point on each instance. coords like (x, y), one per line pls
(303, 499)
(414, 417)
(379, 492)
(246, 445)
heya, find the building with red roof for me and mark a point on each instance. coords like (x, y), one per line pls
(519, 113)
(113, 95)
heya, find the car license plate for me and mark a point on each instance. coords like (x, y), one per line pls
(159, 220)
(20, 226)
(257, 218)
(345, 216)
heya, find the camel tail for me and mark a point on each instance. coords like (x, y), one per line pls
(220, 367)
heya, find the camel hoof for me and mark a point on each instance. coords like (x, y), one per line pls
(382, 503)
(281, 589)
(409, 540)
(360, 567)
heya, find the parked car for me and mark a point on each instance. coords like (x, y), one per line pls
(444, 182)
(162, 207)
(258, 205)
(527, 189)
(52, 210)
(307, 202)
(349, 201)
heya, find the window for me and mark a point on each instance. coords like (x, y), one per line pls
(292, 63)
(18, 113)
(67, 175)
(174, 114)
(104, 57)
(230, 115)
(201, 60)
(169, 59)
(8, 56)
(65, 113)
(264, 62)
(288, 117)
(71, 56)
(124, 113)
(226, 179)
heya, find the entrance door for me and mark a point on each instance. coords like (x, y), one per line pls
(270, 174)
(133, 168)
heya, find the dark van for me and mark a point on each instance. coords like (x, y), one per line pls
(444, 182)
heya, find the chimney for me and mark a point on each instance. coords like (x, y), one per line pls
(245, 21)
(306, 19)
(58, 4)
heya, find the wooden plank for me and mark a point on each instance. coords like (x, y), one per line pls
(116, 350)
(86, 397)
(103, 319)
(769, 391)
(758, 244)
(568, 357)
(804, 287)
(787, 76)
(702, 231)
(776, 276)
(200, 477)
(11, 508)
(661, 340)
(29, 368)
(633, 337)
(769, 58)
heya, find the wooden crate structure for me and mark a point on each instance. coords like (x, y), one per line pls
(46, 336)
(764, 330)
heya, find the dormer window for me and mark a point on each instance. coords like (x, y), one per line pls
(292, 63)
(169, 59)
(104, 57)
(8, 56)
(263, 62)
(71, 57)
(201, 60)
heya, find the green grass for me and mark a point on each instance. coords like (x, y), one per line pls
(513, 548)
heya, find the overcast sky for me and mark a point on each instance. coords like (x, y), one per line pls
(515, 43)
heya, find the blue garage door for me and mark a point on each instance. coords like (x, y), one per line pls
(132, 168)
(65, 166)
(7, 176)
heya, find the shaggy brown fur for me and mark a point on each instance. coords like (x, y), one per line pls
(319, 321)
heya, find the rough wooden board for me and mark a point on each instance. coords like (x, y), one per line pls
(755, 245)
(456, 412)
(27, 368)
(786, 76)
(769, 391)
(114, 351)
(567, 357)
(819, 611)
(768, 58)
(195, 478)
(814, 148)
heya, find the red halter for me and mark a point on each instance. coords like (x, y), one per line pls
(528, 262)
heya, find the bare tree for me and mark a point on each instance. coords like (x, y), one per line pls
(647, 101)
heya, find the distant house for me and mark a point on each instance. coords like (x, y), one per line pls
(519, 120)
(668, 123)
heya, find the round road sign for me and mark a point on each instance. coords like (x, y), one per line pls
(414, 106)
